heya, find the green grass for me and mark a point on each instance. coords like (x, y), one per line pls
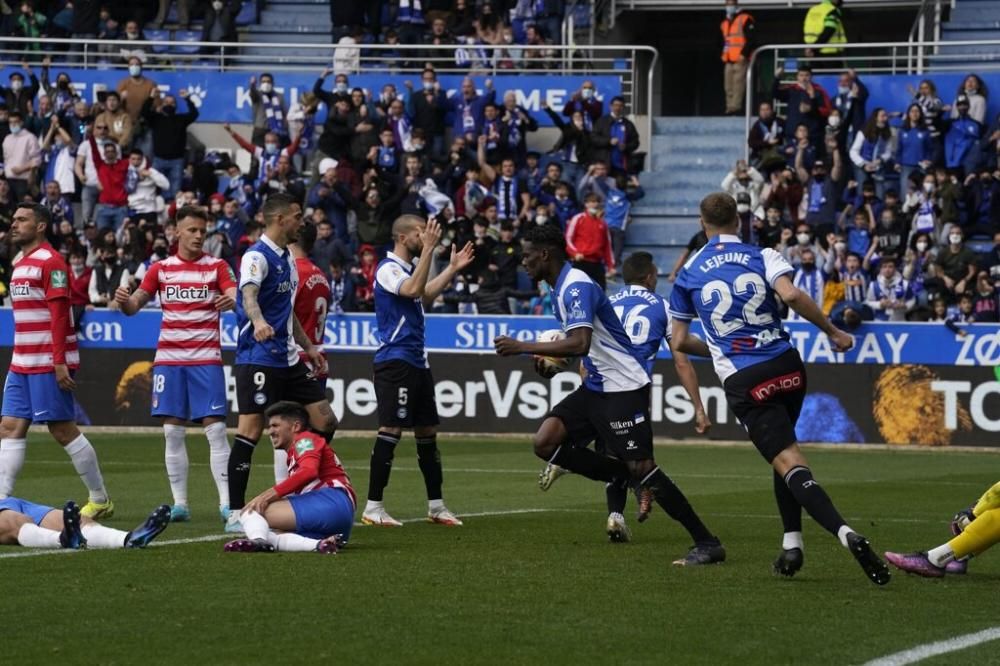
(538, 586)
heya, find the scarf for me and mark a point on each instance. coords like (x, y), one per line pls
(491, 129)
(507, 197)
(816, 198)
(308, 140)
(131, 180)
(386, 158)
(514, 132)
(401, 131)
(410, 11)
(272, 111)
(617, 154)
(854, 292)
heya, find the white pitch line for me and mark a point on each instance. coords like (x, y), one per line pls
(927, 650)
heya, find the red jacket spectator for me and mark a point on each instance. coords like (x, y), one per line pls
(112, 176)
(587, 239)
(78, 286)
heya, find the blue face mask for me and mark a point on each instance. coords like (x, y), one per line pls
(14, 129)
(843, 90)
(271, 148)
(730, 11)
(342, 87)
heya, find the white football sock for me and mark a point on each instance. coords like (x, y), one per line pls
(435, 505)
(941, 555)
(792, 540)
(84, 458)
(254, 525)
(292, 543)
(280, 465)
(218, 459)
(11, 461)
(99, 536)
(372, 505)
(176, 458)
(843, 533)
(33, 536)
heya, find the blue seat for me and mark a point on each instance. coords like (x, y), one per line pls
(193, 45)
(248, 13)
(157, 37)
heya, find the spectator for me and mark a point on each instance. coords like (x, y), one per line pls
(807, 102)
(427, 109)
(21, 158)
(573, 148)
(932, 106)
(819, 200)
(517, 123)
(964, 313)
(347, 55)
(744, 178)
(86, 170)
(169, 130)
(233, 221)
(328, 248)
(617, 208)
(873, 151)
(302, 123)
(824, 26)
(737, 45)
(438, 36)
(471, 193)
(492, 296)
(848, 315)
(918, 266)
(596, 180)
(463, 16)
(364, 274)
(79, 285)
(984, 299)
(283, 178)
(270, 112)
(220, 21)
(982, 202)
(915, 146)
(850, 102)
(585, 102)
(957, 262)
(375, 217)
(60, 208)
(854, 277)
(889, 295)
(890, 234)
(135, 90)
(588, 242)
(921, 206)
(62, 94)
(17, 96)
(511, 193)
(859, 235)
(974, 90)
(950, 194)
(766, 137)
(142, 183)
(266, 157)
(334, 198)
(468, 107)
(31, 24)
(118, 122)
(112, 172)
(803, 240)
(991, 260)
(342, 290)
(810, 278)
(108, 275)
(183, 13)
(86, 14)
(961, 142)
(615, 138)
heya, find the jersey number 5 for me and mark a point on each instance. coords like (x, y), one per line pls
(744, 284)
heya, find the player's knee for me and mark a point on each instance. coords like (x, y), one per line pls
(640, 469)
(10, 525)
(545, 445)
(64, 432)
(391, 432)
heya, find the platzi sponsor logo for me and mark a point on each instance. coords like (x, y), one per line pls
(175, 294)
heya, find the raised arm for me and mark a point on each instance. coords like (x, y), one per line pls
(243, 143)
(460, 259)
(488, 171)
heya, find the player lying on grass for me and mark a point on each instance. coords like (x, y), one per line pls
(976, 530)
(311, 510)
(644, 315)
(24, 523)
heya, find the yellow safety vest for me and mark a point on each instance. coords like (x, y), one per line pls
(814, 24)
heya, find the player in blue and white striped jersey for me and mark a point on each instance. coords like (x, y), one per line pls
(612, 405)
(731, 287)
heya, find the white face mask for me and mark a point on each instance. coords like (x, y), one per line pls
(16, 85)
(840, 246)
(834, 121)
(217, 5)
(428, 85)
(730, 11)
(135, 70)
(270, 148)
(921, 246)
(843, 90)
(593, 210)
(928, 187)
(541, 219)
(742, 208)
(266, 87)
(587, 93)
(955, 239)
(341, 87)
(803, 239)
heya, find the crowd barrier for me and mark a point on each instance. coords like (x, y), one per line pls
(915, 384)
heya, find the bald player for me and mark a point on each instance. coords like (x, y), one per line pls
(404, 387)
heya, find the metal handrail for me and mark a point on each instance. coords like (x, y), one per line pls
(895, 46)
(229, 52)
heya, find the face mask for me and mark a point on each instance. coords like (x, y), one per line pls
(839, 246)
(560, 198)
(508, 38)
(730, 11)
(803, 239)
(217, 6)
(16, 85)
(843, 90)
(160, 251)
(63, 85)
(587, 93)
(266, 87)
(428, 85)
(417, 147)
(742, 208)
(271, 148)
(541, 219)
(955, 239)
(109, 260)
(773, 220)
(134, 70)
(388, 96)
(341, 87)
(921, 246)
(592, 210)
(834, 121)
(819, 177)
(808, 267)
(928, 187)
(169, 109)
(14, 129)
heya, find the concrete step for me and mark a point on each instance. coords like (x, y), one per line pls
(291, 37)
(951, 34)
(662, 230)
(697, 125)
(961, 13)
(291, 29)
(295, 3)
(680, 207)
(286, 17)
(971, 25)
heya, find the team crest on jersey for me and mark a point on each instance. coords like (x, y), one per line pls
(303, 445)
(401, 413)
(253, 269)
(259, 397)
(576, 310)
(58, 279)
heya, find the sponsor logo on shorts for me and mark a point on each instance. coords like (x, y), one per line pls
(622, 425)
(156, 401)
(783, 384)
(259, 397)
(401, 413)
(639, 418)
(630, 445)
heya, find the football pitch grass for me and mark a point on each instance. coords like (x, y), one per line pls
(530, 578)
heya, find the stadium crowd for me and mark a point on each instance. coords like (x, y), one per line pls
(881, 211)
(114, 173)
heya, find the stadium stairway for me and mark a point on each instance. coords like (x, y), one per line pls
(971, 20)
(688, 158)
(290, 22)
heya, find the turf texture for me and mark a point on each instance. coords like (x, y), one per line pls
(530, 578)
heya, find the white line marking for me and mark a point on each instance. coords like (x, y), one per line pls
(927, 650)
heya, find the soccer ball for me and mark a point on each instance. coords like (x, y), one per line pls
(550, 366)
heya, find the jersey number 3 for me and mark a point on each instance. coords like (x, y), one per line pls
(745, 283)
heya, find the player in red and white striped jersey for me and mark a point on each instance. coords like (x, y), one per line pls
(311, 510)
(312, 301)
(188, 380)
(39, 385)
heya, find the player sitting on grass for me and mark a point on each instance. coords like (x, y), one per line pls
(976, 530)
(311, 510)
(24, 523)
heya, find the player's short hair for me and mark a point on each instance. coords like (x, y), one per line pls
(547, 236)
(637, 267)
(196, 212)
(404, 224)
(286, 409)
(718, 210)
(40, 213)
(307, 237)
(277, 204)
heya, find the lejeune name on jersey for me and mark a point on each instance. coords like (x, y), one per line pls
(740, 258)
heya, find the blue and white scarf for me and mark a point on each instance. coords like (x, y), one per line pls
(507, 206)
(273, 113)
(410, 11)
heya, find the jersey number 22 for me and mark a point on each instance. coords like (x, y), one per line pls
(744, 284)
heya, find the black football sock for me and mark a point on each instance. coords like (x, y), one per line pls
(617, 495)
(672, 500)
(429, 461)
(589, 464)
(239, 470)
(788, 506)
(813, 499)
(381, 465)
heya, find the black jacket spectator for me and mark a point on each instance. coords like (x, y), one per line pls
(428, 110)
(169, 128)
(337, 132)
(18, 100)
(803, 108)
(601, 139)
(570, 136)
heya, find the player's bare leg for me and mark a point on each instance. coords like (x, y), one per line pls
(429, 461)
(791, 464)
(81, 452)
(379, 470)
(13, 444)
